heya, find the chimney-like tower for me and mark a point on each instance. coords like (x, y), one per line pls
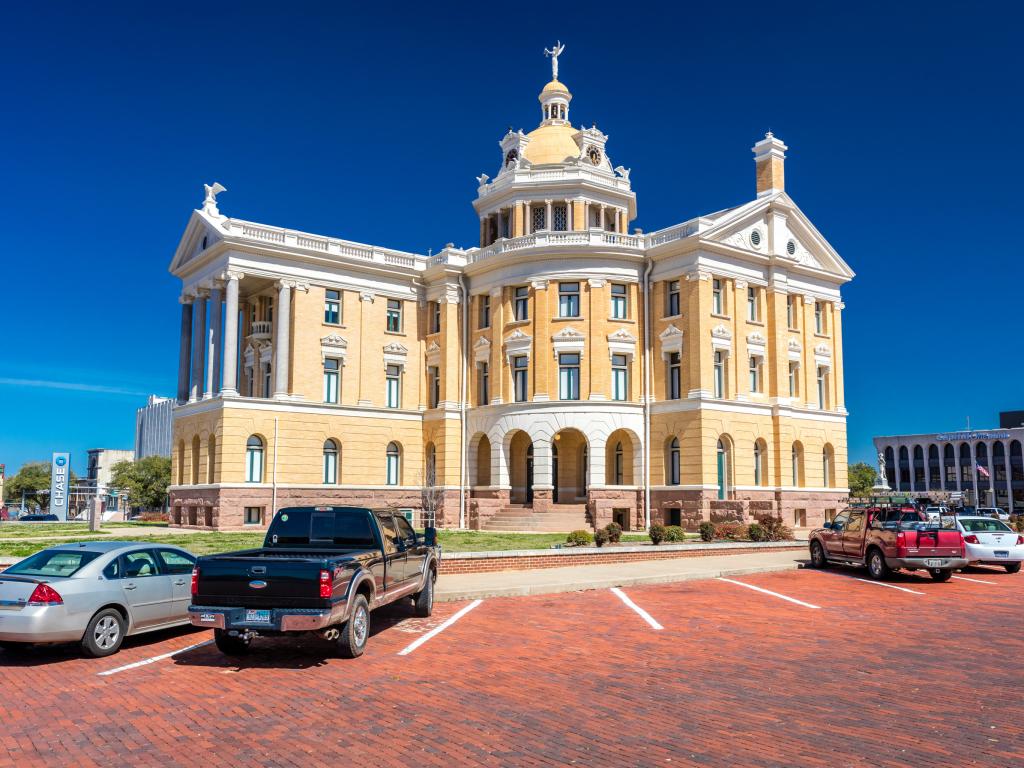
(769, 160)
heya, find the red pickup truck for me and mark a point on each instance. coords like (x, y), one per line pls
(886, 538)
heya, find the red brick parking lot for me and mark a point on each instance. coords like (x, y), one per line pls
(855, 674)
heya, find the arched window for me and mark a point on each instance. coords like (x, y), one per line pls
(211, 458)
(797, 461)
(393, 464)
(672, 462)
(966, 463)
(618, 464)
(195, 460)
(330, 462)
(724, 470)
(827, 468)
(181, 462)
(254, 460)
(760, 460)
(431, 465)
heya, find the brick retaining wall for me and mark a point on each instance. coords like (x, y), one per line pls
(486, 562)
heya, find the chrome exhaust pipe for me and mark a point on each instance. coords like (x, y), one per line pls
(332, 633)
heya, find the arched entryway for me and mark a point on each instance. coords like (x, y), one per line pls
(620, 454)
(569, 466)
(520, 467)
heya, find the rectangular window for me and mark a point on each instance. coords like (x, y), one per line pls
(267, 391)
(719, 375)
(717, 302)
(569, 376)
(332, 377)
(483, 384)
(673, 376)
(620, 377)
(394, 324)
(253, 516)
(561, 217)
(755, 373)
(332, 307)
(791, 312)
(673, 515)
(752, 313)
(393, 386)
(619, 301)
(435, 317)
(794, 379)
(522, 302)
(672, 299)
(520, 367)
(568, 299)
(821, 386)
(538, 216)
(819, 317)
(485, 312)
(434, 385)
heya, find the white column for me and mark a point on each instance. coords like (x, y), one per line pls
(282, 338)
(586, 214)
(942, 467)
(501, 220)
(910, 458)
(229, 378)
(185, 348)
(570, 225)
(601, 219)
(542, 465)
(213, 342)
(959, 473)
(596, 451)
(1009, 476)
(198, 347)
(548, 223)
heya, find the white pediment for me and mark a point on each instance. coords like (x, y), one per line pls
(333, 345)
(671, 341)
(568, 340)
(794, 350)
(757, 338)
(433, 353)
(201, 233)
(482, 349)
(721, 332)
(567, 334)
(622, 335)
(518, 343)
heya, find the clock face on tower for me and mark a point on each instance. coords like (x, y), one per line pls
(594, 155)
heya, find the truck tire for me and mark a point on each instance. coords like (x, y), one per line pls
(104, 634)
(939, 574)
(1012, 567)
(356, 631)
(818, 559)
(423, 601)
(231, 645)
(877, 568)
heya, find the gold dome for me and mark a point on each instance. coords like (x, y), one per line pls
(555, 87)
(551, 144)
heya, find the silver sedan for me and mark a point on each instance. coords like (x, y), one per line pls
(94, 593)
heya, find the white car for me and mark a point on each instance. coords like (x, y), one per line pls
(996, 512)
(992, 542)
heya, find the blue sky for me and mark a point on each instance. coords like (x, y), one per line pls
(370, 122)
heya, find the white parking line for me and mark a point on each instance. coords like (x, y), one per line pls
(642, 613)
(977, 581)
(890, 586)
(769, 592)
(152, 660)
(438, 629)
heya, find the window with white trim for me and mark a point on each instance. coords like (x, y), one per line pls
(755, 373)
(819, 317)
(254, 460)
(717, 298)
(332, 307)
(484, 320)
(393, 386)
(822, 387)
(672, 476)
(794, 379)
(561, 216)
(522, 302)
(520, 369)
(791, 313)
(568, 299)
(719, 374)
(538, 218)
(393, 461)
(394, 316)
(332, 380)
(253, 516)
(435, 317)
(620, 302)
(569, 376)
(433, 385)
(483, 384)
(753, 313)
(672, 299)
(674, 368)
(620, 377)
(330, 462)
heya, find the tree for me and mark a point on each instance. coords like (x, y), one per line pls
(145, 480)
(34, 480)
(862, 478)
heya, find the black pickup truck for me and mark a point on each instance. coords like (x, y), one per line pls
(321, 569)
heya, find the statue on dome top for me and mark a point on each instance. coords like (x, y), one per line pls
(554, 53)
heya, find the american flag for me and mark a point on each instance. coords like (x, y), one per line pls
(982, 471)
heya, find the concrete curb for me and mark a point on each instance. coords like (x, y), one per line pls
(579, 585)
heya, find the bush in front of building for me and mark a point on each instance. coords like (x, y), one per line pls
(775, 530)
(657, 533)
(731, 531)
(756, 532)
(601, 537)
(707, 531)
(614, 532)
(579, 538)
(674, 534)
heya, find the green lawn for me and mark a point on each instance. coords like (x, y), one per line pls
(209, 543)
(29, 530)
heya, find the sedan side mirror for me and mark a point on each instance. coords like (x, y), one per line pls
(430, 536)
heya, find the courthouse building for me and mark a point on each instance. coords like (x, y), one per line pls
(562, 374)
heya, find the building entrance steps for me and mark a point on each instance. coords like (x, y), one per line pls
(522, 517)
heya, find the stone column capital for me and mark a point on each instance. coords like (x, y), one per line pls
(285, 283)
(367, 296)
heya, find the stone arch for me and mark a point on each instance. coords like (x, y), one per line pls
(828, 465)
(570, 465)
(211, 459)
(760, 462)
(196, 448)
(796, 457)
(623, 463)
(520, 455)
(724, 472)
(673, 460)
(479, 469)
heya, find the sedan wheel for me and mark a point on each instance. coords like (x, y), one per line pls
(104, 634)
(1012, 567)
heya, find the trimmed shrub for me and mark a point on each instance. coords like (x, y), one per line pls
(730, 531)
(657, 533)
(756, 532)
(579, 538)
(707, 531)
(775, 530)
(614, 532)
(673, 533)
(601, 537)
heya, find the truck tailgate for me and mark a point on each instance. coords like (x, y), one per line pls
(264, 582)
(934, 542)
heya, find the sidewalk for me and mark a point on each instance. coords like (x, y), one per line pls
(470, 586)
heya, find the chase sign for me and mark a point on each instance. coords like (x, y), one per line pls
(60, 483)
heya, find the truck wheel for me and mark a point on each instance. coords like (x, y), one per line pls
(1012, 567)
(818, 559)
(941, 575)
(423, 601)
(356, 631)
(104, 634)
(231, 645)
(877, 569)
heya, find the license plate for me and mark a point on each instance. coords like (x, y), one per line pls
(257, 617)
(933, 563)
(207, 618)
(1001, 553)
